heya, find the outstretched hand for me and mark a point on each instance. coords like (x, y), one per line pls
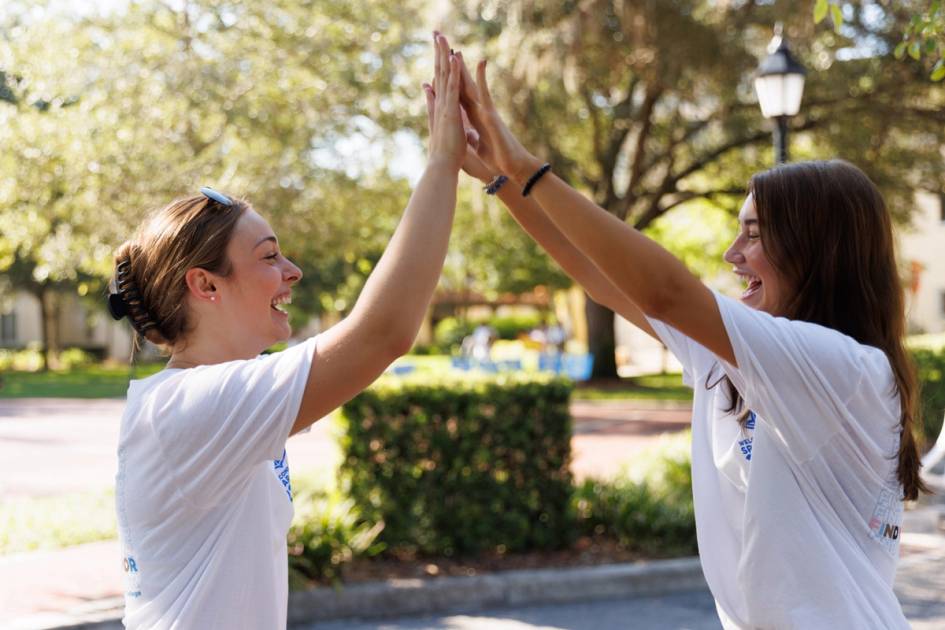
(498, 148)
(447, 136)
(472, 163)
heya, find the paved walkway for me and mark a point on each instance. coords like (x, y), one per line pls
(50, 447)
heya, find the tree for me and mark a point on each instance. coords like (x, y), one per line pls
(648, 106)
(490, 255)
(105, 116)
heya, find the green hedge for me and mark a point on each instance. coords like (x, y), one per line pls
(511, 326)
(462, 466)
(650, 511)
(931, 367)
(450, 331)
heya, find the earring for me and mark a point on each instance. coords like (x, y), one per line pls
(213, 298)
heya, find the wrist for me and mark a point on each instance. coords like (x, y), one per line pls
(524, 169)
(442, 165)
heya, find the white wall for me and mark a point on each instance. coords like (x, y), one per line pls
(924, 244)
(77, 328)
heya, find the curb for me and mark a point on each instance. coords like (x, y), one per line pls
(396, 598)
(402, 597)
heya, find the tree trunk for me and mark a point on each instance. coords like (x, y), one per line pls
(44, 326)
(600, 339)
(55, 331)
(49, 312)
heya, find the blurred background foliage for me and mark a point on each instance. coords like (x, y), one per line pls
(312, 110)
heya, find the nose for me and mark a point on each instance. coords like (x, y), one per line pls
(291, 273)
(733, 254)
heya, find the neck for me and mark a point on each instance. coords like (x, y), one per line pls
(200, 350)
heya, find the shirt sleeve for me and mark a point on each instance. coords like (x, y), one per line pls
(695, 358)
(215, 423)
(810, 383)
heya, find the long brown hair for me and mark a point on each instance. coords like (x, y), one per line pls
(825, 228)
(151, 267)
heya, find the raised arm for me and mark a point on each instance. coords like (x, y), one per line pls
(528, 214)
(536, 224)
(387, 316)
(653, 280)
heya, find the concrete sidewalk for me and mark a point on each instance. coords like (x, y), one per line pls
(549, 593)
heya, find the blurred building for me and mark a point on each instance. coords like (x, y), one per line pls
(77, 327)
(922, 255)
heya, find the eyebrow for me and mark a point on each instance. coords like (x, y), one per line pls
(263, 240)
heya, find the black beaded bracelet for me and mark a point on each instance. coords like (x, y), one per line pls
(497, 182)
(534, 179)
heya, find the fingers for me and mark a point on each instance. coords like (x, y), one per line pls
(468, 88)
(442, 64)
(453, 81)
(485, 96)
(469, 98)
(436, 58)
(431, 105)
(472, 135)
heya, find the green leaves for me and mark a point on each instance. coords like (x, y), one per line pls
(823, 7)
(144, 102)
(938, 71)
(925, 35)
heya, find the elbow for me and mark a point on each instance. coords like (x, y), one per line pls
(660, 301)
(395, 341)
(400, 344)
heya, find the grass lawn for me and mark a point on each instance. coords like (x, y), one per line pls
(650, 387)
(35, 523)
(86, 382)
(112, 382)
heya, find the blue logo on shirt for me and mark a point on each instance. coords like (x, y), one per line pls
(281, 466)
(745, 445)
(750, 424)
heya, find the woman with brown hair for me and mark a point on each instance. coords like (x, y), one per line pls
(804, 398)
(203, 492)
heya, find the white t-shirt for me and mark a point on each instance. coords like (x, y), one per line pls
(798, 516)
(203, 494)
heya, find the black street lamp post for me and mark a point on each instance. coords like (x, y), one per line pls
(779, 83)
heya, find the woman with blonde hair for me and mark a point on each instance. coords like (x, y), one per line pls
(203, 490)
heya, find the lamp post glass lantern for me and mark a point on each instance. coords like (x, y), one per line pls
(779, 83)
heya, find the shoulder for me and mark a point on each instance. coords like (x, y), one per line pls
(758, 328)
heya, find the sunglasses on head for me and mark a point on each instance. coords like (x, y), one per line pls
(219, 197)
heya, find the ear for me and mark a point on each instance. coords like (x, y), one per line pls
(200, 284)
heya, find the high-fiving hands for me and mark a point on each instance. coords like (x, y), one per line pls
(447, 136)
(492, 149)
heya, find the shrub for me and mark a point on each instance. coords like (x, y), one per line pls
(650, 511)
(327, 532)
(931, 368)
(422, 350)
(450, 332)
(461, 466)
(27, 360)
(511, 326)
(75, 358)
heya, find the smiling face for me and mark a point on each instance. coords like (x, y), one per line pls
(259, 284)
(765, 288)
